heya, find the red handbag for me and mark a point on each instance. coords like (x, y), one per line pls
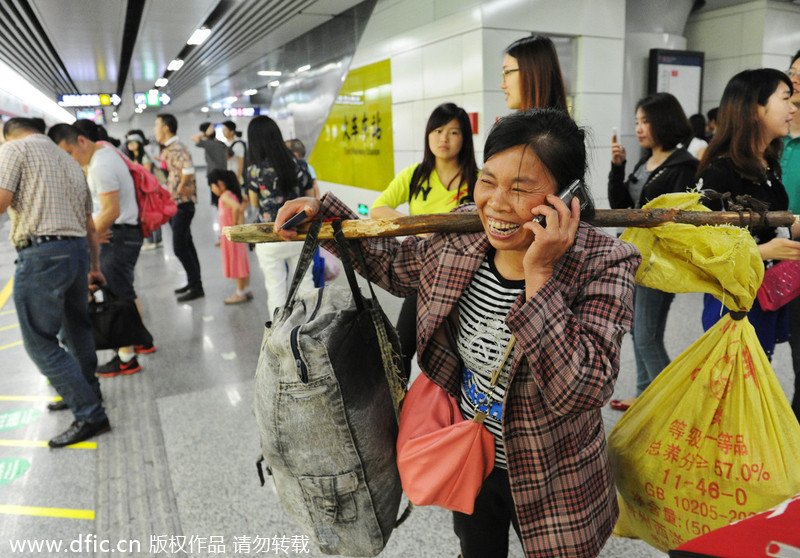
(780, 285)
(443, 458)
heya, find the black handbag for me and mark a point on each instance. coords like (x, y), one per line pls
(117, 323)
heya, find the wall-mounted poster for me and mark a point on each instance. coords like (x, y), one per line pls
(355, 146)
(679, 72)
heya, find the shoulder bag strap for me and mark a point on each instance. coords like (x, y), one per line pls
(480, 416)
(306, 257)
(347, 264)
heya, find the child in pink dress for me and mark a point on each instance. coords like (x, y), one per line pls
(234, 254)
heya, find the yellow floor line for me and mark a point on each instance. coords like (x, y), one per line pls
(12, 326)
(5, 294)
(47, 512)
(7, 312)
(43, 444)
(45, 398)
(14, 344)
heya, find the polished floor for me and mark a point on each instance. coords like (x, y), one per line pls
(176, 475)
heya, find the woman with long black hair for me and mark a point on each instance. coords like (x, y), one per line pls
(445, 178)
(743, 158)
(274, 177)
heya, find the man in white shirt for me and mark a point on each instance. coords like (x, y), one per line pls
(116, 217)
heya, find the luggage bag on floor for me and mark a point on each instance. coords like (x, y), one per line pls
(327, 387)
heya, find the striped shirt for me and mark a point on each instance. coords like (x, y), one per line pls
(51, 196)
(483, 337)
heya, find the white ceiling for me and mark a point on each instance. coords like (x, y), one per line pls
(87, 36)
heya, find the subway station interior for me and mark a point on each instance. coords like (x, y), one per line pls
(355, 81)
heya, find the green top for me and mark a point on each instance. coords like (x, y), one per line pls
(790, 164)
(432, 196)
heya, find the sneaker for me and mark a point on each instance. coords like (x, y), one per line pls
(116, 367)
(144, 349)
(149, 246)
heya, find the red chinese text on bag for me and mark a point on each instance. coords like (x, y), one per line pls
(156, 206)
(443, 459)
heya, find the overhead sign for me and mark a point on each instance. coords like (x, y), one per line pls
(153, 98)
(242, 111)
(89, 100)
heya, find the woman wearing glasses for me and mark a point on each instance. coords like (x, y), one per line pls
(532, 75)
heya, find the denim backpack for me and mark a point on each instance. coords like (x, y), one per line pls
(327, 389)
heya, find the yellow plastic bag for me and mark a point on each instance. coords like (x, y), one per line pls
(713, 439)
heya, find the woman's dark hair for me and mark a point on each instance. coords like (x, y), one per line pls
(738, 134)
(698, 124)
(554, 138)
(231, 125)
(229, 179)
(265, 145)
(204, 126)
(540, 78)
(138, 137)
(668, 123)
(468, 169)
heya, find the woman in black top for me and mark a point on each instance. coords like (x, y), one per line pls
(743, 158)
(661, 128)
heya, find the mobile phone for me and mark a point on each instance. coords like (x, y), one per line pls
(570, 191)
(295, 220)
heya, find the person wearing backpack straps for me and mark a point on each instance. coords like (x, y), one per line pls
(445, 178)
(116, 216)
(564, 289)
(237, 151)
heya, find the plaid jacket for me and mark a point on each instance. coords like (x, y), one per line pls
(565, 364)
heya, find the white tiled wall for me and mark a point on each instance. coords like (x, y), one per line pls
(751, 35)
(452, 51)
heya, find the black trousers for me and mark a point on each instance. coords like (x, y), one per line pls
(183, 245)
(407, 331)
(484, 534)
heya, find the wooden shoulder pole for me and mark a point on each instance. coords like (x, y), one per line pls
(470, 222)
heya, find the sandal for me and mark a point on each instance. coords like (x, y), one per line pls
(236, 298)
(620, 405)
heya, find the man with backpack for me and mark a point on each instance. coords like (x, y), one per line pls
(116, 217)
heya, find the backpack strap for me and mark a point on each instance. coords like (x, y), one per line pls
(306, 257)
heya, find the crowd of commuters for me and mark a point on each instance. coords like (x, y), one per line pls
(557, 291)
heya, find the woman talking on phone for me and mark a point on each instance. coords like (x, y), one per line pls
(563, 291)
(661, 128)
(445, 178)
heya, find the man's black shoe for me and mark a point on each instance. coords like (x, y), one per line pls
(80, 431)
(183, 289)
(191, 294)
(57, 406)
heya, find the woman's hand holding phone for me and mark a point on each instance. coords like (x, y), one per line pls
(550, 242)
(617, 151)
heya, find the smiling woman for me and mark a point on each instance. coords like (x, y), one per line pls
(754, 115)
(563, 292)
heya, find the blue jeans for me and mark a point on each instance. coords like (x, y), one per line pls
(183, 245)
(650, 309)
(118, 259)
(51, 293)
